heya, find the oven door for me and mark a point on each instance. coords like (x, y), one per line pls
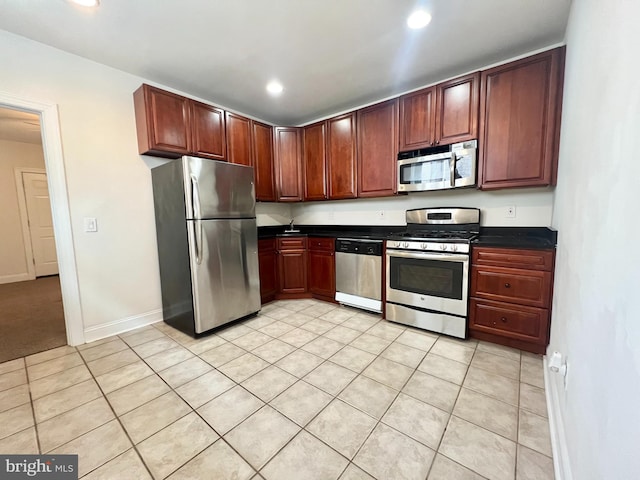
(432, 281)
(431, 172)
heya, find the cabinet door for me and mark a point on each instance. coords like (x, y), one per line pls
(288, 164)
(519, 120)
(239, 139)
(417, 119)
(208, 131)
(512, 321)
(292, 271)
(377, 149)
(315, 179)
(341, 156)
(457, 104)
(268, 265)
(322, 273)
(162, 122)
(262, 143)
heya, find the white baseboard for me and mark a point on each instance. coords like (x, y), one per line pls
(18, 277)
(561, 462)
(91, 334)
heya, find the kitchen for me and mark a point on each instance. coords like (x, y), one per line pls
(99, 100)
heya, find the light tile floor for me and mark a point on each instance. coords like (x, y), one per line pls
(305, 390)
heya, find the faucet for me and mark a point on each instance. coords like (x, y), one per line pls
(291, 225)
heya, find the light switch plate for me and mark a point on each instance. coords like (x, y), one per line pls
(511, 211)
(90, 224)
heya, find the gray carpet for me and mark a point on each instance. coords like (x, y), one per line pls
(31, 317)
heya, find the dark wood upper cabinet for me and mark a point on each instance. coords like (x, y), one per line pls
(289, 175)
(208, 131)
(341, 156)
(171, 125)
(262, 143)
(457, 109)
(377, 149)
(417, 119)
(315, 162)
(519, 122)
(239, 139)
(442, 114)
(162, 122)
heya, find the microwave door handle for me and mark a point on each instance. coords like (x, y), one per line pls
(452, 162)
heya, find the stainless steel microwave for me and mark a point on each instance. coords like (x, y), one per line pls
(439, 168)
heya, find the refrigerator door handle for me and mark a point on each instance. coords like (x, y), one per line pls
(197, 225)
(195, 198)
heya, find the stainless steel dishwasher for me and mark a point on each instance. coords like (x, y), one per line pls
(359, 273)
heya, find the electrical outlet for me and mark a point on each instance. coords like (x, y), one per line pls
(511, 211)
(381, 215)
(90, 224)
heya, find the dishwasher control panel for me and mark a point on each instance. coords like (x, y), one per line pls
(359, 246)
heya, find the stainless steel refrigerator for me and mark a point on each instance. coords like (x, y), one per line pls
(207, 242)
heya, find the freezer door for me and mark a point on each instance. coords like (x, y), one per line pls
(218, 189)
(224, 270)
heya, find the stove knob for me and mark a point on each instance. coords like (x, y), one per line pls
(454, 247)
(424, 246)
(443, 247)
(405, 244)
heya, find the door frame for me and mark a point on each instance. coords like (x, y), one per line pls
(60, 211)
(24, 216)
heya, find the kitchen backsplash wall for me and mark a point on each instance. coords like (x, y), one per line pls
(533, 208)
(273, 214)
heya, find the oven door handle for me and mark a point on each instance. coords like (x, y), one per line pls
(443, 257)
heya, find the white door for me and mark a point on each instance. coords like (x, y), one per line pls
(40, 223)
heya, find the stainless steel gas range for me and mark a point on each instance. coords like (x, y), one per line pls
(427, 279)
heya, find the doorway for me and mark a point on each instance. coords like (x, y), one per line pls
(66, 292)
(31, 311)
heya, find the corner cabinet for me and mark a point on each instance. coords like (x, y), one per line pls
(288, 164)
(520, 122)
(169, 125)
(341, 156)
(315, 161)
(322, 268)
(442, 114)
(378, 149)
(292, 267)
(511, 291)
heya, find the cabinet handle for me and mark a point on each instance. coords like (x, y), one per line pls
(503, 319)
(507, 285)
(437, 142)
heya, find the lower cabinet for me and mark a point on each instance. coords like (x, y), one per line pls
(511, 291)
(292, 267)
(322, 268)
(297, 267)
(268, 265)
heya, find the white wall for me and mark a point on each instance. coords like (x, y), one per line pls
(596, 313)
(106, 178)
(533, 207)
(13, 260)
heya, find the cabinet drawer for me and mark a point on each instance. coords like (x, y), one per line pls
(292, 243)
(526, 287)
(513, 258)
(322, 243)
(266, 244)
(508, 320)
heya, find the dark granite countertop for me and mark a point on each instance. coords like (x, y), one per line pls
(517, 237)
(504, 237)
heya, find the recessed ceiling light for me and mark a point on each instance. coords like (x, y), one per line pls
(275, 88)
(86, 3)
(418, 19)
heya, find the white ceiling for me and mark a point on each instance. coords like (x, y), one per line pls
(18, 126)
(331, 55)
